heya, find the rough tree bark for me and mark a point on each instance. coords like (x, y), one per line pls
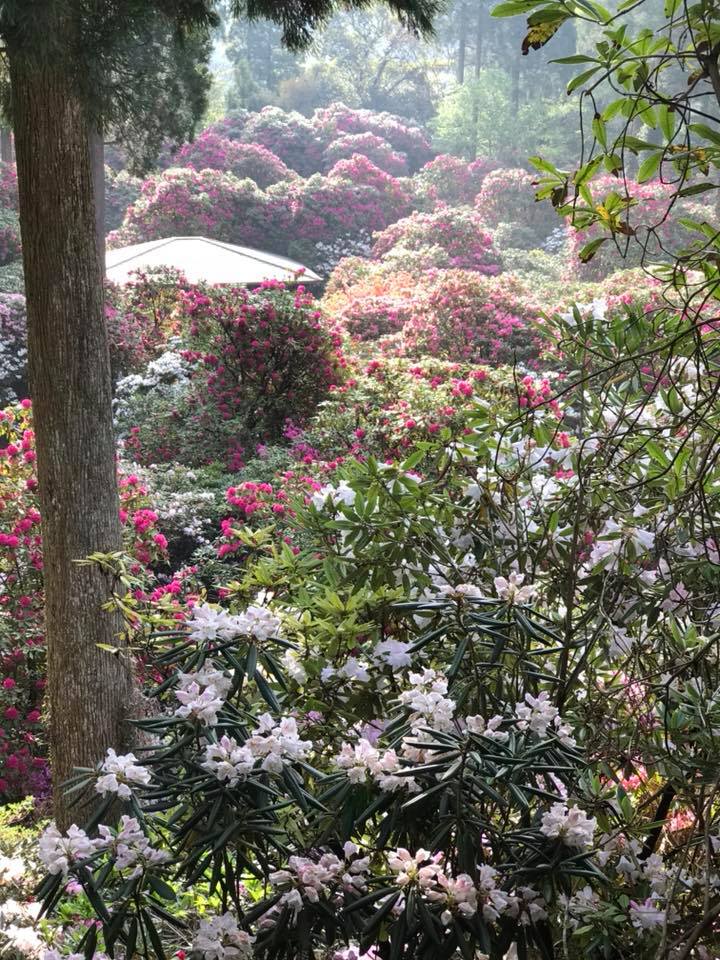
(89, 689)
(97, 154)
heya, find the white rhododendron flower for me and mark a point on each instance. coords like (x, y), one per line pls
(59, 851)
(276, 743)
(258, 621)
(392, 652)
(571, 825)
(228, 761)
(297, 672)
(536, 713)
(650, 915)
(202, 705)
(220, 938)
(427, 701)
(210, 623)
(329, 494)
(120, 774)
(512, 590)
(130, 847)
(491, 730)
(207, 676)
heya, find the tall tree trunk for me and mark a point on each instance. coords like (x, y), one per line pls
(89, 689)
(462, 43)
(6, 145)
(479, 31)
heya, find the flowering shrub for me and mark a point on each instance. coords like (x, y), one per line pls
(461, 316)
(337, 120)
(361, 171)
(252, 360)
(185, 202)
(458, 231)
(328, 209)
(290, 136)
(10, 247)
(13, 348)
(231, 126)
(243, 160)
(23, 753)
(451, 181)
(141, 315)
(377, 150)
(508, 196)
(8, 186)
(121, 191)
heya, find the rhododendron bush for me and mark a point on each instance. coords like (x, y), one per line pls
(457, 231)
(439, 718)
(367, 145)
(421, 578)
(243, 160)
(8, 186)
(450, 181)
(23, 750)
(246, 362)
(339, 120)
(187, 202)
(290, 136)
(508, 196)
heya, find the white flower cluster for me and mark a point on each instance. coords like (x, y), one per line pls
(569, 824)
(614, 536)
(489, 729)
(651, 914)
(461, 895)
(120, 774)
(214, 623)
(295, 670)
(128, 846)
(220, 938)
(274, 744)
(427, 701)
(538, 714)
(312, 880)
(392, 653)
(333, 495)
(511, 589)
(362, 761)
(328, 254)
(167, 376)
(352, 670)
(202, 694)
(59, 852)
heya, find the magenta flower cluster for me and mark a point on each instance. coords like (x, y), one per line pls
(458, 231)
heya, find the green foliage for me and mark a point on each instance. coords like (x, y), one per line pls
(480, 117)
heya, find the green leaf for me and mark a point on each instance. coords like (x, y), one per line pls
(511, 8)
(590, 249)
(649, 166)
(706, 132)
(581, 78)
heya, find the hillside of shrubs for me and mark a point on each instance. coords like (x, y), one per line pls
(418, 596)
